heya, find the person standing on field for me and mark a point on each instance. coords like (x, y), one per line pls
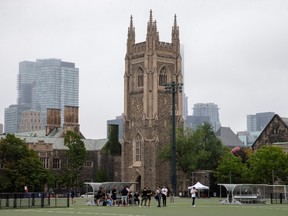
(143, 197)
(164, 192)
(158, 196)
(149, 194)
(193, 195)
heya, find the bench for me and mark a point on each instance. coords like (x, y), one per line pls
(249, 199)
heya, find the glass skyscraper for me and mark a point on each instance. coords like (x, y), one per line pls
(56, 86)
(208, 109)
(46, 83)
(258, 121)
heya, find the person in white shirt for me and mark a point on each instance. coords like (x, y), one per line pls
(193, 195)
(164, 192)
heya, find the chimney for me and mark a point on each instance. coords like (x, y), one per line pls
(71, 122)
(53, 120)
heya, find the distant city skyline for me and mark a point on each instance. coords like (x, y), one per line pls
(45, 83)
(235, 52)
(204, 113)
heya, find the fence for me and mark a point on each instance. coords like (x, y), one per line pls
(279, 198)
(33, 200)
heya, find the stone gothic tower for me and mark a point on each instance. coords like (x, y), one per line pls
(149, 65)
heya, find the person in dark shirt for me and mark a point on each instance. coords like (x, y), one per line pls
(136, 198)
(158, 196)
(143, 197)
(72, 196)
(114, 195)
(98, 196)
(149, 194)
(124, 198)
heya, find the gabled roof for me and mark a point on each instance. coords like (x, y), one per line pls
(228, 137)
(275, 131)
(58, 142)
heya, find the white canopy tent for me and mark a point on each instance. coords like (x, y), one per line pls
(198, 186)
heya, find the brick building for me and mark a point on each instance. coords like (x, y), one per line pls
(49, 144)
(275, 133)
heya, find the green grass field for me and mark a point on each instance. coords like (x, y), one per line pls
(181, 206)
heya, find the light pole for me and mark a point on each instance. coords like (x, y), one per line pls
(173, 88)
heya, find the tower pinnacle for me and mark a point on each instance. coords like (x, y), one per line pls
(175, 21)
(131, 36)
(151, 18)
(175, 32)
(131, 22)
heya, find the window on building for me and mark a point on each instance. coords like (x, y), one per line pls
(138, 144)
(140, 77)
(88, 164)
(45, 162)
(163, 77)
(56, 163)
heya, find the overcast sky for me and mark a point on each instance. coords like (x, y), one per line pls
(235, 51)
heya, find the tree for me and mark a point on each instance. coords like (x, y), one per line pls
(199, 149)
(209, 147)
(242, 152)
(268, 165)
(101, 176)
(76, 156)
(21, 166)
(113, 145)
(231, 170)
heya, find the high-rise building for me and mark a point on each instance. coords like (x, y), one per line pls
(1, 128)
(251, 123)
(262, 119)
(56, 86)
(12, 118)
(208, 109)
(26, 79)
(195, 121)
(46, 83)
(258, 121)
(185, 98)
(185, 106)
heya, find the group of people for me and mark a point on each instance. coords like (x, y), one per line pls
(133, 198)
(128, 197)
(161, 193)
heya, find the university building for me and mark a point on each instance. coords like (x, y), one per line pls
(149, 66)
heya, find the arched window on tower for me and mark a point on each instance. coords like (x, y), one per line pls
(137, 148)
(162, 76)
(140, 77)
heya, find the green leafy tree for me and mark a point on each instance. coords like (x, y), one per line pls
(186, 145)
(76, 156)
(21, 166)
(101, 175)
(209, 147)
(113, 145)
(268, 165)
(199, 149)
(231, 169)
